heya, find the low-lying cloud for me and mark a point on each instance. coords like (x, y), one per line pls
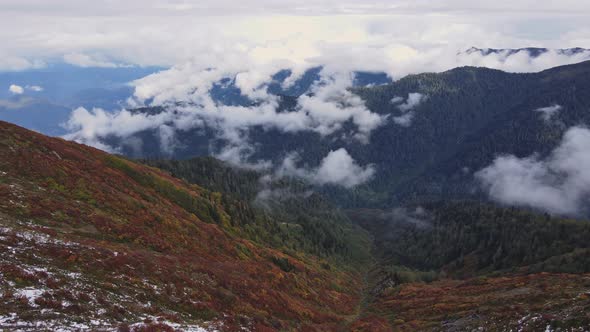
(331, 104)
(549, 112)
(185, 94)
(34, 88)
(418, 217)
(559, 183)
(414, 100)
(337, 168)
(92, 126)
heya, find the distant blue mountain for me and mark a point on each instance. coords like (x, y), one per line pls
(36, 114)
(64, 87)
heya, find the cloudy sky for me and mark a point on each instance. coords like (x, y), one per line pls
(376, 34)
(250, 40)
(204, 41)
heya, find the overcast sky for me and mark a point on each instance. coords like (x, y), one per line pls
(156, 32)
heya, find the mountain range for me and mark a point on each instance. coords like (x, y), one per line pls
(49, 94)
(466, 118)
(96, 241)
(464, 207)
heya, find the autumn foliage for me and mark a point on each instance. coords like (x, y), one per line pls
(141, 226)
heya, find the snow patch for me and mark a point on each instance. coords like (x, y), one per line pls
(30, 293)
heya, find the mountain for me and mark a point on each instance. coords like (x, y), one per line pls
(309, 222)
(532, 51)
(465, 118)
(91, 240)
(52, 92)
(458, 266)
(467, 239)
(534, 302)
(488, 112)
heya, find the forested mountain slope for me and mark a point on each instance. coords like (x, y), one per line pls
(464, 118)
(471, 115)
(459, 266)
(441, 266)
(306, 220)
(466, 239)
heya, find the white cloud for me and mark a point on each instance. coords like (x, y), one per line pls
(10, 62)
(35, 88)
(148, 8)
(337, 168)
(238, 155)
(331, 104)
(398, 37)
(404, 120)
(16, 89)
(396, 100)
(558, 184)
(549, 112)
(83, 60)
(167, 136)
(88, 127)
(419, 217)
(414, 100)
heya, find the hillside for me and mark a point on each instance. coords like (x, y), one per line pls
(295, 166)
(471, 116)
(461, 266)
(535, 302)
(467, 239)
(304, 220)
(88, 239)
(441, 266)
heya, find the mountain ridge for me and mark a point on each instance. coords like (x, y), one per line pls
(480, 106)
